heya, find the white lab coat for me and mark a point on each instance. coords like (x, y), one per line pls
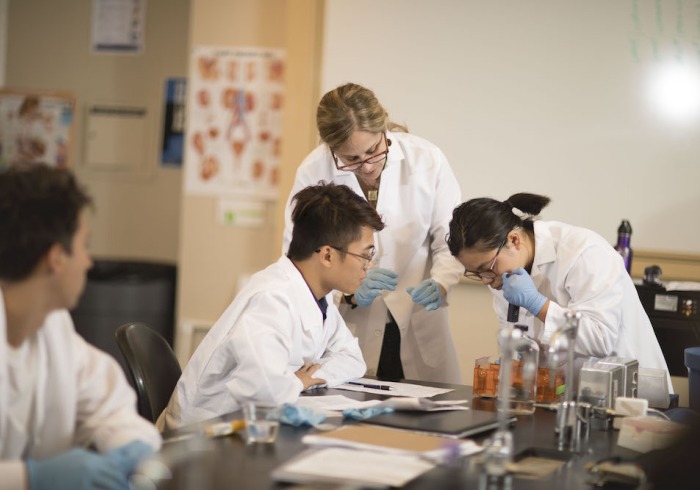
(417, 195)
(271, 329)
(578, 269)
(82, 398)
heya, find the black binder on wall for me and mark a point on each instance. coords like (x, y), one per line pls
(675, 316)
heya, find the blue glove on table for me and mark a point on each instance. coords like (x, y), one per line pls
(300, 416)
(129, 455)
(365, 413)
(77, 469)
(518, 289)
(427, 294)
(377, 280)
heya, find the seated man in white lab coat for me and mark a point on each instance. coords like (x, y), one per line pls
(59, 396)
(283, 334)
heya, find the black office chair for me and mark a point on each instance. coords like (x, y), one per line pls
(152, 364)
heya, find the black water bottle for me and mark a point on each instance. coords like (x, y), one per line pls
(624, 232)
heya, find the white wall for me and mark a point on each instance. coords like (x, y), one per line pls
(541, 96)
(473, 324)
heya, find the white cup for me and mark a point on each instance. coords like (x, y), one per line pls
(262, 422)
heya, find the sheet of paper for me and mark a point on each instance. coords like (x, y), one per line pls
(423, 404)
(394, 388)
(348, 465)
(333, 402)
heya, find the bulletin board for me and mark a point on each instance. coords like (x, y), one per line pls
(36, 126)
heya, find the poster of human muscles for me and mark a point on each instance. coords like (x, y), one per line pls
(235, 103)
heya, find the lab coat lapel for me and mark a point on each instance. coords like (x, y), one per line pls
(310, 314)
(389, 187)
(390, 199)
(344, 177)
(43, 372)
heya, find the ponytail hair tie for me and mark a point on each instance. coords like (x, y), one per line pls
(522, 215)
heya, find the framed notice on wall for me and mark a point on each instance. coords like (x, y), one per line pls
(35, 126)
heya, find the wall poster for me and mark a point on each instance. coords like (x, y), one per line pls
(35, 127)
(234, 128)
(118, 26)
(172, 144)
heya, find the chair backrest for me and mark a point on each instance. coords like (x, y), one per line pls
(152, 364)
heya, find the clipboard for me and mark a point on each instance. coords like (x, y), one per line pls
(455, 424)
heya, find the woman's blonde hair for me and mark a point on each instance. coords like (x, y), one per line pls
(351, 108)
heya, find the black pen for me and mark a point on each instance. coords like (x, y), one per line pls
(374, 387)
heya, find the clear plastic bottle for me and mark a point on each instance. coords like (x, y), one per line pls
(550, 381)
(523, 383)
(624, 232)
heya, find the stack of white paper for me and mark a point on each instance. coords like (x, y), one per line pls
(348, 466)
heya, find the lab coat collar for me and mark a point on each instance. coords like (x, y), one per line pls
(545, 252)
(310, 310)
(396, 153)
(393, 163)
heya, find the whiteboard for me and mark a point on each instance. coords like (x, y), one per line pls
(544, 96)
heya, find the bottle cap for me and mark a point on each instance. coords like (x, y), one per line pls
(625, 227)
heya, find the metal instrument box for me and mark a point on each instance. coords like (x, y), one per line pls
(631, 379)
(600, 384)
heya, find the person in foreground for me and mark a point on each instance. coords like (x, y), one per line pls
(60, 398)
(399, 313)
(547, 267)
(282, 334)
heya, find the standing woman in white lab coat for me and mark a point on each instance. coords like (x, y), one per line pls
(547, 267)
(399, 313)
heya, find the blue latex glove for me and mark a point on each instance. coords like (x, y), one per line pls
(300, 416)
(77, 469)
(427, 294)
(130, 455)
(365, 413)
(518, 289)
(377, 280)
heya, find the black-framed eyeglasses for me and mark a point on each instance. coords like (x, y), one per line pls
(366, 257)
(374, 159)
(488, 274)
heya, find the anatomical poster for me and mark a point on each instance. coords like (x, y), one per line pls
(234, 129)
(35, 127)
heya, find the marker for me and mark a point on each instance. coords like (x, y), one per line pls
(224, 428)
(216, 429)
(374, 387)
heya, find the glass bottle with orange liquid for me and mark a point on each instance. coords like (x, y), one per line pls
(550, 382)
